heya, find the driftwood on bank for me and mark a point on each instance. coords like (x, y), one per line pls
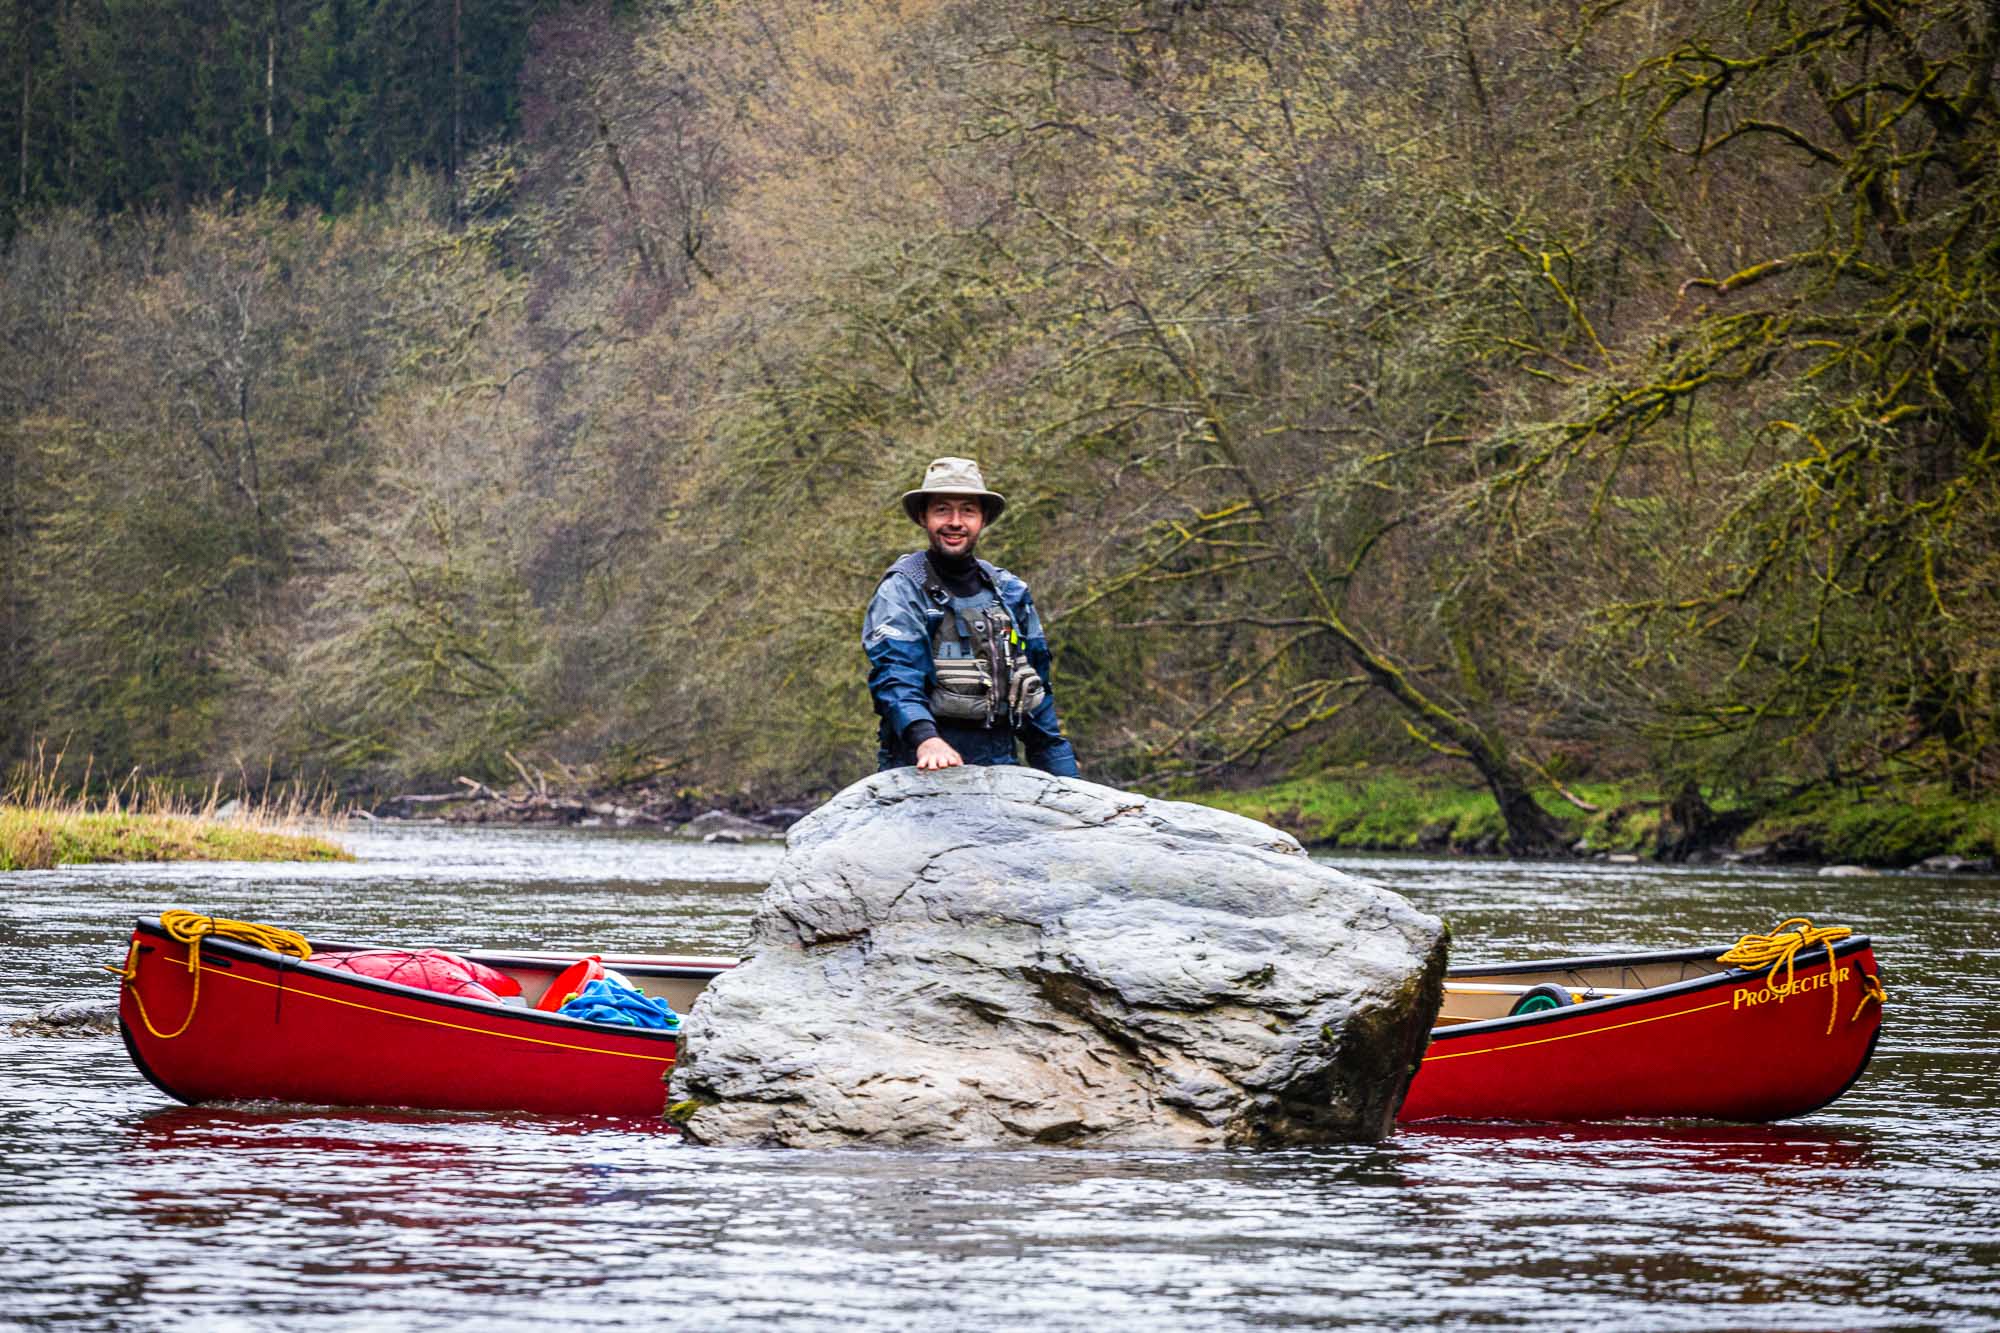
(535, 801)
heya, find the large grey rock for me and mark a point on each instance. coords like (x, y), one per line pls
(997, 956)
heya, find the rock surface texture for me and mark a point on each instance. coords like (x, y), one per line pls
(995, 956)
(78, 1018)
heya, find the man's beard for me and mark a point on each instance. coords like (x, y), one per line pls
(962, 558)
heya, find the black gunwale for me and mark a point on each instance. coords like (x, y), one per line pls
(495, 958)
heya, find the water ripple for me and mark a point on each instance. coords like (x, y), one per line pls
(118, 1209)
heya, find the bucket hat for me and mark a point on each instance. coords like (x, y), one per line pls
(952, 476)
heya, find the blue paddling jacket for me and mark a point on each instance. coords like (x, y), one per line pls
(906, 611)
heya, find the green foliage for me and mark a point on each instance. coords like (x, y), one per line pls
(198, 403)
(425, 660)
(1623, 418)
(132, 104)
(1376, 811)
(1623, 827)
(1880, 825)
(1828, 367)
(1396, 811)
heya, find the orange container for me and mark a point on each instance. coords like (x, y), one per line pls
(569, 981)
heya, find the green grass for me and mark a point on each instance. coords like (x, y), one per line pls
(1376, 810)
(1880, 825)
(37, 839)
(47, 822)
(1372, 810)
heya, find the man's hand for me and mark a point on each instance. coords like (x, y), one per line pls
(935, 753)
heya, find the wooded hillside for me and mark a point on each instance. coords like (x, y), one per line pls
(139, 104)
(1555, 389)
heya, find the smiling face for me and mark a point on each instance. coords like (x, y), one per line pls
(954, 523)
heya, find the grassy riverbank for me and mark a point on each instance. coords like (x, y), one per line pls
(1377, 810)
(46, 821)
(38, 839)
(1876, 825)
(1374, 810)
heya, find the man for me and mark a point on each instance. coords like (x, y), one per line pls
(957, 662)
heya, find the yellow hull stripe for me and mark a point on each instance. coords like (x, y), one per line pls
(1567, 1036)
(433, 1022)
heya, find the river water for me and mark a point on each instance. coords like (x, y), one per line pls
(120, 1209)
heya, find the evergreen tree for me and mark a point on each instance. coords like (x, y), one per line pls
(134, 104)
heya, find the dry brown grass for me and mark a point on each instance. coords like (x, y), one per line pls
(46, 820)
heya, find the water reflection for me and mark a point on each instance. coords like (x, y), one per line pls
(1766, 1152)
(118, 1209)
(268, 1131)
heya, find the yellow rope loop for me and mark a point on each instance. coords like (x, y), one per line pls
(1871, 991)
(191, 928)
(1764, 953)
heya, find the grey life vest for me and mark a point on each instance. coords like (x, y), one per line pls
(983, 673)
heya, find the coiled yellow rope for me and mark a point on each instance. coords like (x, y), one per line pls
(1766, 953)
(191, 928)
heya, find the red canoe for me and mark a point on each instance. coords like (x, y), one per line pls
(1653, 1036)
(1642, 1036)
(268, 1027)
